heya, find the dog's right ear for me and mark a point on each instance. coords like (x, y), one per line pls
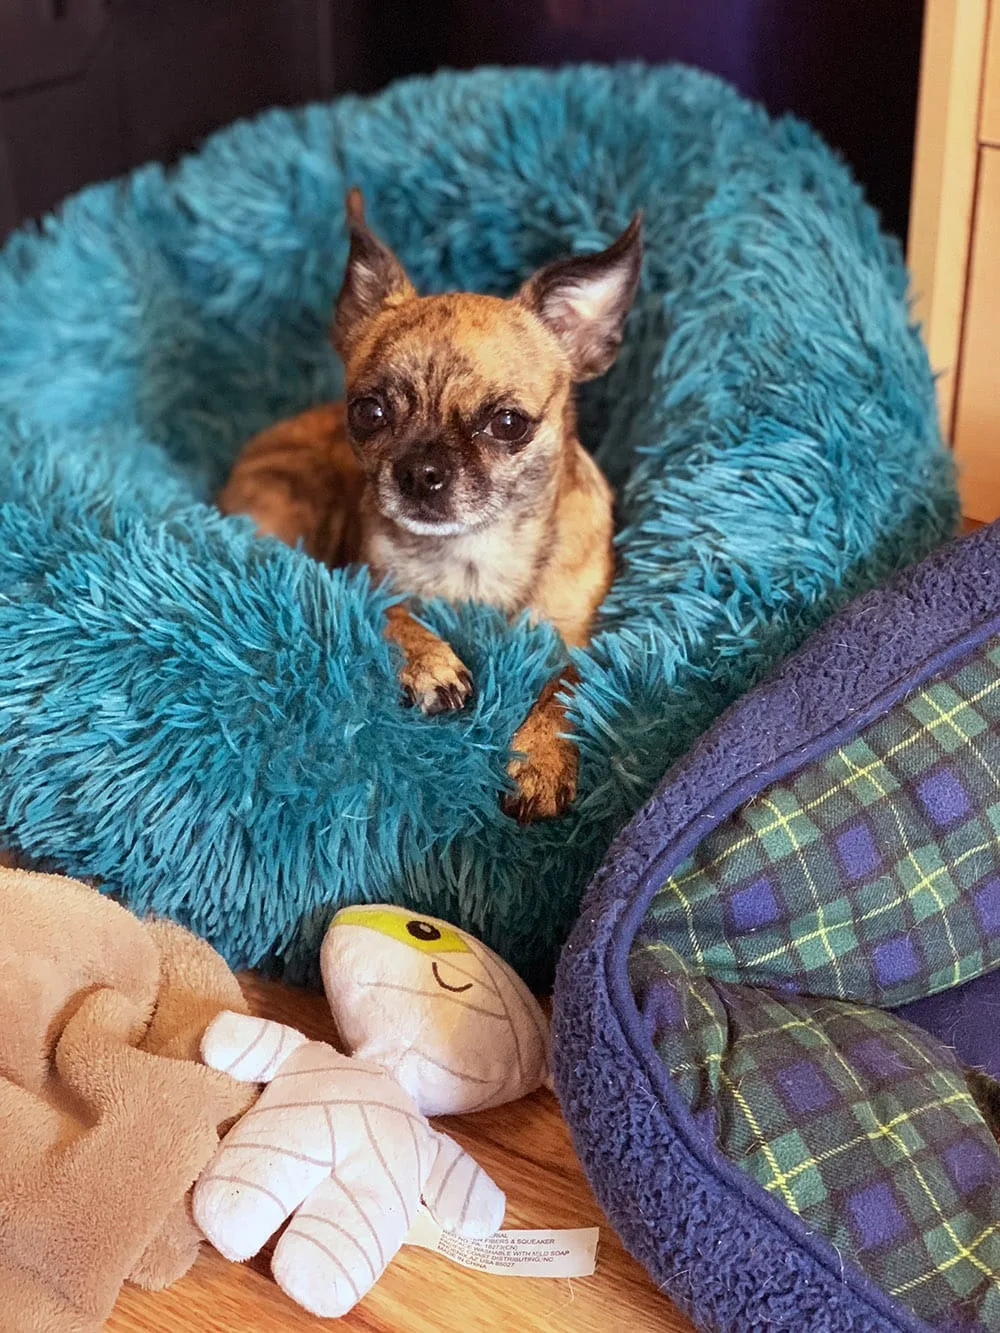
(374, 279)
(584, 301)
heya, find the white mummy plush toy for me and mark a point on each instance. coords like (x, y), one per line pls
(436, 1024)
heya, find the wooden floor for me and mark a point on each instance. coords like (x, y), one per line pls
(526, 1148)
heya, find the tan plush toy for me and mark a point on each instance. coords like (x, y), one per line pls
(437, 1024)
(107, 1115)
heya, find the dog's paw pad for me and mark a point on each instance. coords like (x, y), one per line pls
(545, 784)
(436, 682)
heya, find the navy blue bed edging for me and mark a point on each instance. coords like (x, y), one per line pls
(722, 1248)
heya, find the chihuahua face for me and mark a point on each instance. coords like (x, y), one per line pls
(455, 407)
(459, 407)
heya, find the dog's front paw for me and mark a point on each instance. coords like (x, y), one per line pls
(546, 781)
(435, 680)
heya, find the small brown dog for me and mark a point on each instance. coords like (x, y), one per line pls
(454, 466)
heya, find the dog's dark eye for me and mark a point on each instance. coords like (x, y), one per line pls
(365, 416)
(507, 426)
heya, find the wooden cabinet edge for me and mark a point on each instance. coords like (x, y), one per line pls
(944, 181)
(977, 406)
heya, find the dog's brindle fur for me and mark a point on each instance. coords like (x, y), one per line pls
(420, 488)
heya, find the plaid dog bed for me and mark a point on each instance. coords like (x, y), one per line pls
(785, 1148)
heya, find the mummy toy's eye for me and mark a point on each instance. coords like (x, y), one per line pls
(423, 930)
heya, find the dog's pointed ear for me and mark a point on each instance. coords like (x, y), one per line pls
(374, 279)
(584, 300)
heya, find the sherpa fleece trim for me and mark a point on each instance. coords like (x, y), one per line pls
(725, 1250)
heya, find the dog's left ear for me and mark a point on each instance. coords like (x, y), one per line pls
(374, 279)
(584, 300)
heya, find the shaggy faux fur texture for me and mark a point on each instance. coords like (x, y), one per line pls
(724, 1249)
(210, 723)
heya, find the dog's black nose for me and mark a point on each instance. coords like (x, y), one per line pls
(423, 476)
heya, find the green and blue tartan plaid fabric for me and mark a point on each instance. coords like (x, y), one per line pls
(767, 964)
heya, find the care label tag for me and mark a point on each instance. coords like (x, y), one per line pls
(513, 1253)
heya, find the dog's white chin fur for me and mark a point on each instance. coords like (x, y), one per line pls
(422, 529)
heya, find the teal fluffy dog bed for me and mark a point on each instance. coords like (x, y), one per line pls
(210, 723)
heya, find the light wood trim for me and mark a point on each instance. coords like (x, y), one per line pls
(990, 123)
(977, 415)
(944, 180)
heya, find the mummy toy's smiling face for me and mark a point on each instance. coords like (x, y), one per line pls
(448, 1018)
